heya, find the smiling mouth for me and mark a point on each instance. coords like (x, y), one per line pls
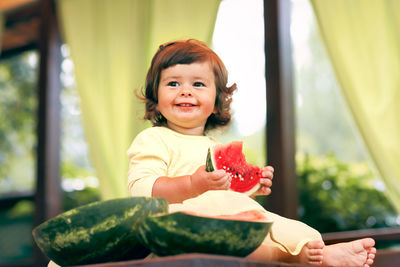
(185, 105)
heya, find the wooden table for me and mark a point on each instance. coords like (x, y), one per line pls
(194, 260)
(384, 258)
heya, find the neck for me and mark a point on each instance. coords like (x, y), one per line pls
(187, 131)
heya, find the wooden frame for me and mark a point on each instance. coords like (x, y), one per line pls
(48, 188)
(280, 108)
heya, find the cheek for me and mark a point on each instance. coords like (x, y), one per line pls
(162, 98)
(165, 101)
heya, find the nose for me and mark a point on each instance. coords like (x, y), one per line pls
(185, 91)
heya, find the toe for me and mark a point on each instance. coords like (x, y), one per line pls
(313, 252)
(368, 242)
(316, 258)
(315, 244)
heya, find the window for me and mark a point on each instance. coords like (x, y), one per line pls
(18, 109)
(242, 51)
(79, 184)
(334, 169)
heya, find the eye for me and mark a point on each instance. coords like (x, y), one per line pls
(173, 84)
(198, 84)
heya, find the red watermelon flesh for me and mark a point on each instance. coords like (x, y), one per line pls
(249, 215)
(229, 157)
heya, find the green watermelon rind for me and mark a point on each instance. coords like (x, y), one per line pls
(101, 231)
(181, 233)
(211, 166)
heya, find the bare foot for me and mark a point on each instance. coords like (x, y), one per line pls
(312, 253)
(358, 253)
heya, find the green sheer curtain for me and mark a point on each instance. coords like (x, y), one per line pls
(111, 44)
(362, 38)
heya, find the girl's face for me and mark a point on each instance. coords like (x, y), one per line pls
(186, 96)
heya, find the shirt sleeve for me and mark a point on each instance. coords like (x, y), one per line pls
(148, 159)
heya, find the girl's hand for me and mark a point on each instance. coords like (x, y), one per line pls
(265, 181)
(202, 181)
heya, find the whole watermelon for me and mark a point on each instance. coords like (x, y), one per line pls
(102, 231)
(180, 232)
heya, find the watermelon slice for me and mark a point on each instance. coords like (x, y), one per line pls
(230, 158)
(182, 232)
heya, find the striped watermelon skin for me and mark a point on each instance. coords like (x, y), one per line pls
(230, 158)
(180, 233)
(101, 231)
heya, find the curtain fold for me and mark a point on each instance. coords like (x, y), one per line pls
(111, 44)
(362, 39)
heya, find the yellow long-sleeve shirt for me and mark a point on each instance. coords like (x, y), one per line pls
(159, 151)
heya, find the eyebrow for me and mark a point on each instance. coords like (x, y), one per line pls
(200, 78)
(170, 78)
(178, 77)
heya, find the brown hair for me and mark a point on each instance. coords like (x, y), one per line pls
(187, 52)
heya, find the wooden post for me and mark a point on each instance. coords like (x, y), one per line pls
(280, 108)
(48, 189)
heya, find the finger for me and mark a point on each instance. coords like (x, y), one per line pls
(267, 174)
(269, 168)
(227, 184)
(262, 191)
(266, 182)
(266, 190)
(223, 183)
(220, 181)
(218, 174)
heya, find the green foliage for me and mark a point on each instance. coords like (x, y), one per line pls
(74, 198)
(78, 198)
(18, 104)
(16, 238)
(21, 208)
(338, 196)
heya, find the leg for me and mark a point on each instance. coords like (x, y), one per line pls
(269, 253)
(311, 254)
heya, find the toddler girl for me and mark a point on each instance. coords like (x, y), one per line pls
(186, 95)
